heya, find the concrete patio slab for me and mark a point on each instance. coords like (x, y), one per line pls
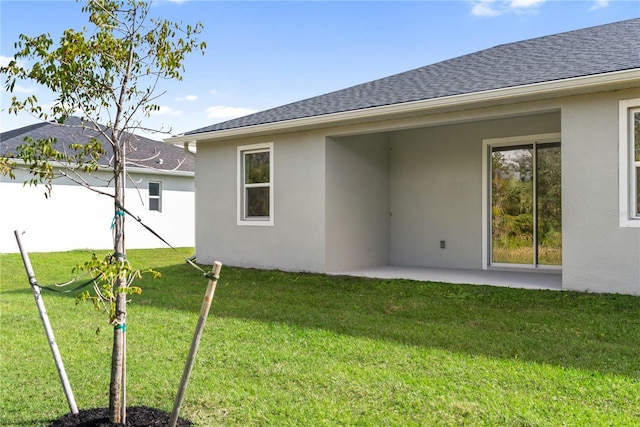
(514, 279)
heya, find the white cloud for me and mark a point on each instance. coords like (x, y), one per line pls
(18, 88)
(484, 8)
(599, 4)
(4, 60)
(166, 111)
(525, 3)
(187, 98)
(222, 112)
(22, 89)
(501, 7)
(213, 92)
(156, 2)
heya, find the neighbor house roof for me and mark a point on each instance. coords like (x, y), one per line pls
(587, 52)
(141, 152)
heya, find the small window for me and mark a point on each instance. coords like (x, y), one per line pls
(255, 188)
(629, 168)
(155, 196)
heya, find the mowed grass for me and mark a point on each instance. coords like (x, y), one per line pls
(290, 349)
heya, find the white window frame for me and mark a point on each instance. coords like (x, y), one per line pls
(241, 210)
(627, 166)
(487, 145)
(158, 197)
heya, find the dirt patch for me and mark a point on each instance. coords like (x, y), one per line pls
(137, 416)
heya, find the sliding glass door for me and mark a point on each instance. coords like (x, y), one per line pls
(526, 215)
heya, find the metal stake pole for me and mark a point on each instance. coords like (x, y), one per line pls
(204, 312)
(47, 326)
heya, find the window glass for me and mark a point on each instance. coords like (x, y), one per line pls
(256, 167)
(154, 204)
(512, 205)
(549, 204)
(258, 202)
(154, 189)
(526, 205)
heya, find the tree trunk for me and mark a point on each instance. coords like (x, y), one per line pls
(117, 409)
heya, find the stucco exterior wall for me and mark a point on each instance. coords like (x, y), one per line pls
(598, 255)
(436, 189)
(296, 240)
(77, 218)
(357, 202)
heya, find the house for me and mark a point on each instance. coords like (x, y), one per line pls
(517, 158)
(160, 190)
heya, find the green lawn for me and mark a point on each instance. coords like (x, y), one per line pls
(288, 349)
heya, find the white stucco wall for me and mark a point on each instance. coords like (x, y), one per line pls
(77, 218)
(598, 255)
(296, 240)
(357, 202)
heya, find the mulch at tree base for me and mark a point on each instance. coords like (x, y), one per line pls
(137, 416)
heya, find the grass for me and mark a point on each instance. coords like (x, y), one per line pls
(288, 349)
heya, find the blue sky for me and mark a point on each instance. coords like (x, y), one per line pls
(262, 54)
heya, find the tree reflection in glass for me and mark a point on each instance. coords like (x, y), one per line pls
(257, 185)
(526, 205)
(512, 205)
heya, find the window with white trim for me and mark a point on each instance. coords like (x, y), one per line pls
(629, 168)
(155, 196)
(255, 184)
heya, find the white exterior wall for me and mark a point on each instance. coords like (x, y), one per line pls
(296, 240)
(598, 255)
(357, 202)
(77, 218)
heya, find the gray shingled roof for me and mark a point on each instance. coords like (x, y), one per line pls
(596, 50)
(143, 152)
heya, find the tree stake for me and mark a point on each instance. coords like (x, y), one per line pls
(47, 326)
(204, 312)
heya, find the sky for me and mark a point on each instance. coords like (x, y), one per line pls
(263, 54)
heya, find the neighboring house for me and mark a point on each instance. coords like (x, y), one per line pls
(160, 191)
(519, 157)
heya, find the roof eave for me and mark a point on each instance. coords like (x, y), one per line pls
(152, 171)
(130, 169)
(575, 85)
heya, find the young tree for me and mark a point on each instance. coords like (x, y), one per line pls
(109, 76)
